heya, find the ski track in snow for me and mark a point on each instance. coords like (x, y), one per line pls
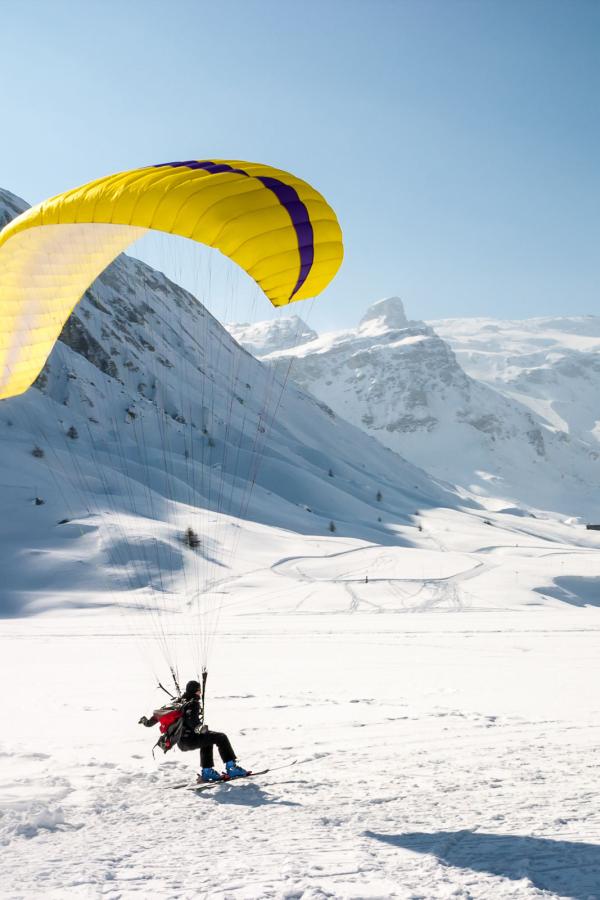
(443, 591)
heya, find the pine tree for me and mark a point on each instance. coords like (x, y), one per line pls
(191, 539)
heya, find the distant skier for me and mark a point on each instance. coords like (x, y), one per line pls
(181, 723)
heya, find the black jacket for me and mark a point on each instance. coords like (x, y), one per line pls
(192, 716)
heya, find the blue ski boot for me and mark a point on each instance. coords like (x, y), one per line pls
(210, 775)
(233, 770)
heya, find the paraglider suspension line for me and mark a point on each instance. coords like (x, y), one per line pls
(166, 691)
(202, 705)
(204, 677)
(175, 681)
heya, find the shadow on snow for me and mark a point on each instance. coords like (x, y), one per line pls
(566, 868)
(577, 590)
(243, 795)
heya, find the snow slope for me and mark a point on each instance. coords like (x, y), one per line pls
(150, 419)
(399, 380)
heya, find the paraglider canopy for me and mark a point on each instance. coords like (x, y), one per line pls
(171, 450)
(276, 227)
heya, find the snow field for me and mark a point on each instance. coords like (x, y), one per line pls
(445, 716)
(441, 755)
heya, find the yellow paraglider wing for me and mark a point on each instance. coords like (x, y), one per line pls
(276, 227)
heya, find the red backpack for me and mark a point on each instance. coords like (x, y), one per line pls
(170, 721)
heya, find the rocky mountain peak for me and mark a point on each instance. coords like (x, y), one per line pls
(10, 206)
(386, 313)
(273, 335)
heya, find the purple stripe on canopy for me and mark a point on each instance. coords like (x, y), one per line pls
(287, 196)
(298, 212)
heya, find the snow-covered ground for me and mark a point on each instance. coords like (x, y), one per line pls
(447, 732)
(439, 755)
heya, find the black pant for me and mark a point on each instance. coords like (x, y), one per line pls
(204, 743)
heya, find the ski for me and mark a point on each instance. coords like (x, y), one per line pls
(202, 785)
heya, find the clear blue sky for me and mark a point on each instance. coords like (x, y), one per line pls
(458, 141)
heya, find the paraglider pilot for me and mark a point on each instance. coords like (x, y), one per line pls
(181, 723)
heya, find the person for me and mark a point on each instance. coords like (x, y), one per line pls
(193, 735)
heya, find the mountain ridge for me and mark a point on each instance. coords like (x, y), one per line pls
(148, 418)
(402, 381)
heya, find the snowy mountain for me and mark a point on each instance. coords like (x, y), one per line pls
(149, 419)
(401, 381)
(148, 414)
(550, 365)
(277, 334)
(10, 206)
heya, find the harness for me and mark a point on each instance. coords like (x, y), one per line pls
(171, 716)
(170, 722)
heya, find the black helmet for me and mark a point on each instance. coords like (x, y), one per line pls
(191, 688)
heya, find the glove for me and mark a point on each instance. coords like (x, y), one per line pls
(144, 721)
(200, 729)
